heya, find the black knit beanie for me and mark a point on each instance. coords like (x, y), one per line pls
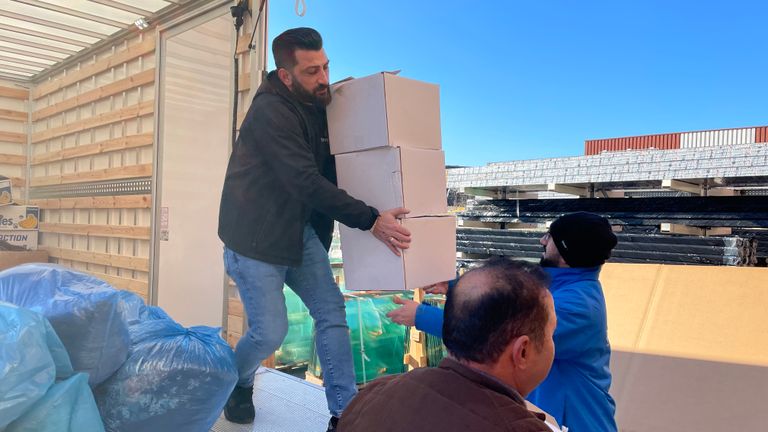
(583, 239)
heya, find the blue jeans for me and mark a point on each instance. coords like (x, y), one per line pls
(261, 290)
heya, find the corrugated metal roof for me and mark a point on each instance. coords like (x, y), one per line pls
(35, 35)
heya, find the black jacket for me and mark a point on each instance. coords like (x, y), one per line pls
(282, 176)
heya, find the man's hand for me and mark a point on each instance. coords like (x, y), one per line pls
(438, 288)
(388, 230)
(406, 314)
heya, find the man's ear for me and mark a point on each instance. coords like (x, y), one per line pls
(521, 352)
(285, 77)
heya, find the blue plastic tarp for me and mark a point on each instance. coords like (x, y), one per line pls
(31, 359)
(84, 311)
(68, 406)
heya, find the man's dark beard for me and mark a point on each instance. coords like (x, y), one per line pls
(312, 97)
(546, 262)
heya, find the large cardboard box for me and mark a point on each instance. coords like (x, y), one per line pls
(22, 238)
(10, 259)
(391, 177)
(370, 266)
(17, 217)
(690, 346)
(6, 195)
(384, 110)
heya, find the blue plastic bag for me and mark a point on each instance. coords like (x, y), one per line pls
(134, 311)
(131, 307)
(68, 406)
(31, 358)
(175, 379)
(84, 311)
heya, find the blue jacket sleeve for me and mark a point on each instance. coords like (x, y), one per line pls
(578, 325)
(430, 319)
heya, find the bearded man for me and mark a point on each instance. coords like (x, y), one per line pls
(276, 221)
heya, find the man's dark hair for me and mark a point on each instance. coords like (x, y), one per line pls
(285, 45)
(480, 321)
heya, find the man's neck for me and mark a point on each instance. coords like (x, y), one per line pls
(492, 371)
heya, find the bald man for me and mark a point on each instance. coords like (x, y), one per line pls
(499, 322)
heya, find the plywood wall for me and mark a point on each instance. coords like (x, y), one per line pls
(14, 109)
(93, 123)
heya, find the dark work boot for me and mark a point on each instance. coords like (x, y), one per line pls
(332, 424)
(239, 408)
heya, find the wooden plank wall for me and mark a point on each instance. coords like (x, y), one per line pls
(95, 122)
(14, 109)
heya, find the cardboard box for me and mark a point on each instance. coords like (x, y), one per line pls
(22, 238)
(6, 194)
(16, 217)
(370, 266)
(10, 259)
(384, 110)
(391, 177)
(690, 346)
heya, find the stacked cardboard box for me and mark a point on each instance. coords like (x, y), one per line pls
(18, 224)
(18, 231)
(5, 191)
(385, 133)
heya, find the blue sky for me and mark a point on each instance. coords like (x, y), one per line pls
(534, 79)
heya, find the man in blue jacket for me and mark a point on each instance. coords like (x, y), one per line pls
(575, 392)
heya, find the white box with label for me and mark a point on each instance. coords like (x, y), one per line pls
(19, 217)
(369, 265)
(389, 177)
(384, 110)
(6, 192)
(23, 238)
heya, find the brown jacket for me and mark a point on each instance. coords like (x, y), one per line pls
(451, 397)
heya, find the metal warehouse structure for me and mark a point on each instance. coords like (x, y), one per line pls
(716, 170)
(679, 140)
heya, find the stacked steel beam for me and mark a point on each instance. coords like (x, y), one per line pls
(736, 212)
(759, 236)
(735, 164)
(632, 248)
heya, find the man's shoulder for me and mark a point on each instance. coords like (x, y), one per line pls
(271, 101)
(418, 374)
(577, 287)
(426, 379)
(271, 108)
